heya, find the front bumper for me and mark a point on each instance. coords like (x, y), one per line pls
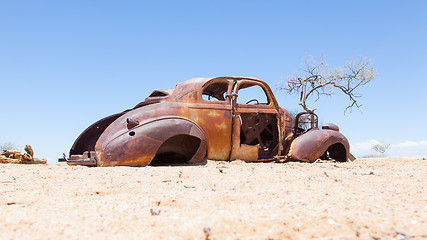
(88, 158)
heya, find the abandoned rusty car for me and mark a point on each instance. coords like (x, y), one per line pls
(222, 118)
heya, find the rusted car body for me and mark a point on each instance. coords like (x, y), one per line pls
(206, 118)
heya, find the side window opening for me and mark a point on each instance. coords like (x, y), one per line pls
(160, 93)
(215, 91)
(252, 94)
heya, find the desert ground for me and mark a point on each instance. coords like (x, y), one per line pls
(381, 198)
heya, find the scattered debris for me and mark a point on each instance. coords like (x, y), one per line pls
(221, 169)
(155, 211)
(370, 173)
(207, 231)
(357, 231)
(15, 156)
(331, 221)
(403, 234)
(375, 237)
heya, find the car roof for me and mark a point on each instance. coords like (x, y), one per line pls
(187, 91)
(202, 81)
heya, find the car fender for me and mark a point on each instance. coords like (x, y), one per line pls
(313, 144)
(139, 145)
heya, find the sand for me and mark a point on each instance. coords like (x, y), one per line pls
(366, 199)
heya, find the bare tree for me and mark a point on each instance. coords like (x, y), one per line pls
(318, 79)
(380, 147)
(7, 146)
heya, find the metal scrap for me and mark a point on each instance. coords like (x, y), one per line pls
(15, 156)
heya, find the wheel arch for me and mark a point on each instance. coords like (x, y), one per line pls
(139, 145)
(315, 143)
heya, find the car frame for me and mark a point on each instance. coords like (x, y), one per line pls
(204, 118)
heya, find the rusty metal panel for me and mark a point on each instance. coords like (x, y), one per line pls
(215, 120)
(312, 145)
(242, 151)
(139, 146)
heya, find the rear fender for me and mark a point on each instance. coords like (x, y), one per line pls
(313, 144)
(139, 145)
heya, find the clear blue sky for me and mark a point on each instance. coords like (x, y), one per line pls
(66, 64)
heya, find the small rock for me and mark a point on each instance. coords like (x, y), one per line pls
(357, 231)
(403, 233)
(189, 186)
(375, 237)
(155, 211)
(207, 231)
(221, 169)
(331, 221)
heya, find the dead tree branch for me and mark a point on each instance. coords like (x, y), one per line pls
(318, 79)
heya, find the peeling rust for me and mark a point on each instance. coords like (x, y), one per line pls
(205, 118)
